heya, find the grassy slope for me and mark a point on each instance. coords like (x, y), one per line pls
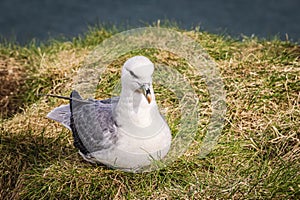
(257, 156)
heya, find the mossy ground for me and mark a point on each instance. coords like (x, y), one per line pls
(257, 156)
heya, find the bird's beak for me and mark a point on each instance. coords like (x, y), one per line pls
(147, 93)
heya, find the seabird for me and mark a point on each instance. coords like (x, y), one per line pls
(125, 132)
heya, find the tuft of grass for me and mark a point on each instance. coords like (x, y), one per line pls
(257, 156)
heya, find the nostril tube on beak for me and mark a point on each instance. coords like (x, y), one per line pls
(147, 92)
(148, 95)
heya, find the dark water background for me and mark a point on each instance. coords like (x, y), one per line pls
(24, 20)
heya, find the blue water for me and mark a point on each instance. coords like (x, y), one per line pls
(24, 20)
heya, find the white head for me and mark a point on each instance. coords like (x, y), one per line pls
(137, 75)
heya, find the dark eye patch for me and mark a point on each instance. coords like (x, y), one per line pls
(132, 74)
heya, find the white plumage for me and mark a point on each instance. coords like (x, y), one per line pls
(125, 132)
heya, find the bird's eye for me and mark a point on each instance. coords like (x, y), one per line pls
(132, 74)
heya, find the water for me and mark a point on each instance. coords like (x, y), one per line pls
(24, 20)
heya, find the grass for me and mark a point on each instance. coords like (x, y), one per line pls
(257, 156)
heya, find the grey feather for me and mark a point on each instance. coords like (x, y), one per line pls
(62, 115)
(93, 123)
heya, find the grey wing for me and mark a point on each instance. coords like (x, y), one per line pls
(93, 124)
(113, 101)
(62, 115)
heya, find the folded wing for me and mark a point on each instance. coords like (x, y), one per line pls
(92, 124)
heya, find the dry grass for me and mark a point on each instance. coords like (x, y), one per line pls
(12, 77)
(257, 156)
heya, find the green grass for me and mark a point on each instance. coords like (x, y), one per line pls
(257, 156)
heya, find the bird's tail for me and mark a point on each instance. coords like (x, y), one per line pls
(62, 115)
